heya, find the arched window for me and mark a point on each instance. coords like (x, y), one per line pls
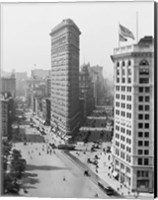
(118, 64)
(143, 62)
(129, 63)
(123, 63)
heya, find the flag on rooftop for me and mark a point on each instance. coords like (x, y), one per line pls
(125, 32)
(122, 38)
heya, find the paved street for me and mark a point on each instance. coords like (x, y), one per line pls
(53, 174)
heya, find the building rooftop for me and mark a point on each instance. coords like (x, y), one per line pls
(146, 40)
(144, 45)
(63, 24)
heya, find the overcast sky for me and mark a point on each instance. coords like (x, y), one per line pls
(25, 29)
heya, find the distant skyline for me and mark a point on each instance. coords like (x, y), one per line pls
(25, 28)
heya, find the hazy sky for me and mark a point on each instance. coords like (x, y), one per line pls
(25, 29)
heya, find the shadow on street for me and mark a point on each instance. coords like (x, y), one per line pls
(45, 167)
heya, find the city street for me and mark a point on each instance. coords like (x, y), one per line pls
(53, 174)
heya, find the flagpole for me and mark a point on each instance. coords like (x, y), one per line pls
(119, 34)
(137, 27)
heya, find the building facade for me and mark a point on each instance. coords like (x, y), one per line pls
(133, 141)
(8, 84)
(86, 92)
(96, 74)
(40, 73)
(46, 110)
(65, 76)
(21, 83)
(7, 115)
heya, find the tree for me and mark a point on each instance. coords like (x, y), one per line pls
(16, 154)
(17, 167)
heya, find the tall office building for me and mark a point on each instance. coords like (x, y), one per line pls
(133, 142)
(65, 76)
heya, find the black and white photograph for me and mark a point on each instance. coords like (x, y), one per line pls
(77, 106)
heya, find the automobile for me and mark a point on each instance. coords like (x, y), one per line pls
(93, 149)
(86, 173)
(101, 185)
(108, 149)
(96, 157)
(95, 162)
(109, 190)
(66, 147)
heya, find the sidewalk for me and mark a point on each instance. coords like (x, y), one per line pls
(103, 170)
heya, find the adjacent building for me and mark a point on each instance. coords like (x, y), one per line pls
(86, 95)
(7, 115)
(96, 74)
(40, 73)
(8, 84)
(21, 80)
(133, 142)
(46, 108)
(38, 87)
(65, 76)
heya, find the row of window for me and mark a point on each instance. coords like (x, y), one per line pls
(141, 152)
(123, 114)
(122, 166)
(144, 71)
(143, 125)
(123, 105)
(145, 134)
(124, 88)
(143, 62)
(122, 155)
(123, 63)
(142, 174)
(144, 89)
(129, 80)
(123, 97)
(123, 139)
(145, 98)
(143, 161)
(129, 89)
(141, 116)
(144, 80)
(141, 72)
(123, 71)
(143, 143)
(146, 107)
(128, 132)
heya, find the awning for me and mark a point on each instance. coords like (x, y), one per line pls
(115, 174)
